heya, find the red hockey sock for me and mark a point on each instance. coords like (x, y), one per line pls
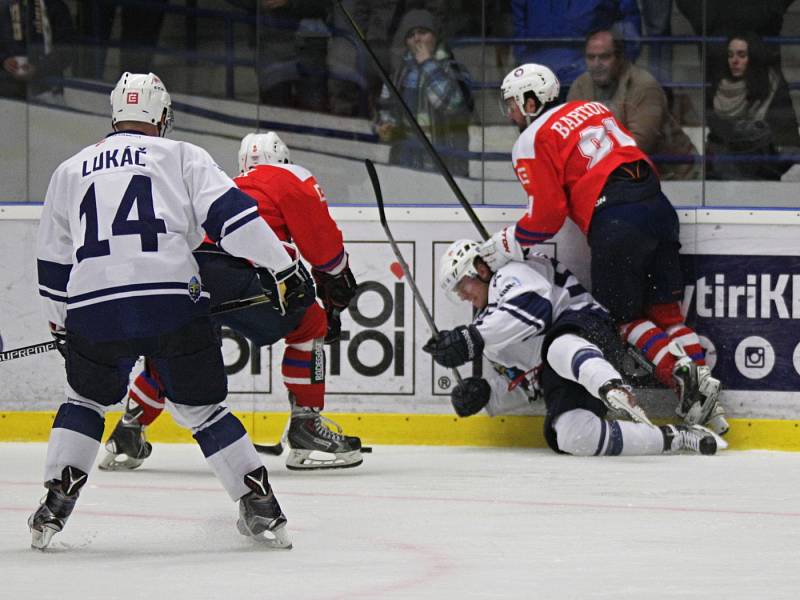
(669, 318)
(652, 342)
(146, 391)
(303, 373)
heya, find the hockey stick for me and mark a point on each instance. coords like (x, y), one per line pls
(376, 186)
(220, 309)
(417, 129)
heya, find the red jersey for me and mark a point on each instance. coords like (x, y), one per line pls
(562, 161)
(294, 206)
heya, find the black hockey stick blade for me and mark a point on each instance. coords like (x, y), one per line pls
(277, 449)
(273, 449)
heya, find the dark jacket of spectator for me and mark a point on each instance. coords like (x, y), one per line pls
(437, 92)
(560, 19)
(34, 46)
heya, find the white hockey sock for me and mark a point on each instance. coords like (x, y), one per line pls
(576, 359)
(75, 437)
(582, 433)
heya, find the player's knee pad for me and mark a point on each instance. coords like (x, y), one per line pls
(578, 432)
(196, 417)
(313, 325)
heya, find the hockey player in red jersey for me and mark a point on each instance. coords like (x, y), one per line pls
(293, 204)
(575, 160)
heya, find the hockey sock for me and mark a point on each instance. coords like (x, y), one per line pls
(652, 342)
(75, 437)
(670, 319)
(147, 393)
(303, 371)
(582, 433)
(578, 360)
(224, 442)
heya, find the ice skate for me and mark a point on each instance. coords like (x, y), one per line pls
(618, 396)
(127, 446)
(697, 391)
(56, 507)
(313, 445)
(693, 439)
(260, 515)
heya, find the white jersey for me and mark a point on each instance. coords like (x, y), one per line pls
(525, 300)
(119, 224)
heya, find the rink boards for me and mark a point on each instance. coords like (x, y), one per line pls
(742, 292)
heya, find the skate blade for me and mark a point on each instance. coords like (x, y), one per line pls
(306, 460)
(277, 538)
(114, 462)
(40, 539)
(634, 412)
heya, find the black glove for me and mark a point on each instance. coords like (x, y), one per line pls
(60, 337)
(455, 347)
(334, 332)
(335, 291)
(293, 285)
(470, 396)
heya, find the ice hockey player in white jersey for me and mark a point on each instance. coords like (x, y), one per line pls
(118, 281)
(540, 328)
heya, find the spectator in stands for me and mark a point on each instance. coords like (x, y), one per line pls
(436, 89)
(34, 50)
(752, 115)
(140, 27)
(350, 78)
(292, 51)
(724, 18)
(544, 18)
(638, 102)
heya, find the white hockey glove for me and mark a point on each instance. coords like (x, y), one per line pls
(502, 248)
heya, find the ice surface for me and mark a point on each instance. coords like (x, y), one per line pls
(425, 523)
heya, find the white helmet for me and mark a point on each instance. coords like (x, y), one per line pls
(458, 262)
(142, 98)
(529, 78)
(262, 149)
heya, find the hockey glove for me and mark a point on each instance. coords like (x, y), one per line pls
(293, 286)
(335, 291)
(470, 396)
(455, 347)
(502, 248)
(334, 332)
(60, 337)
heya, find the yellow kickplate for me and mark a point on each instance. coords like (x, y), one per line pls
(416, 429)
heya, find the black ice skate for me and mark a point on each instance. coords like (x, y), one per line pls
(127, 446)
(260, 515)
(692, 439)
(313, 445)
(50, 518)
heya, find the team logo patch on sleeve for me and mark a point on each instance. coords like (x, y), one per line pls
(195, 288)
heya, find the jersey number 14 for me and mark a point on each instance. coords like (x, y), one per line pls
(147, 226)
